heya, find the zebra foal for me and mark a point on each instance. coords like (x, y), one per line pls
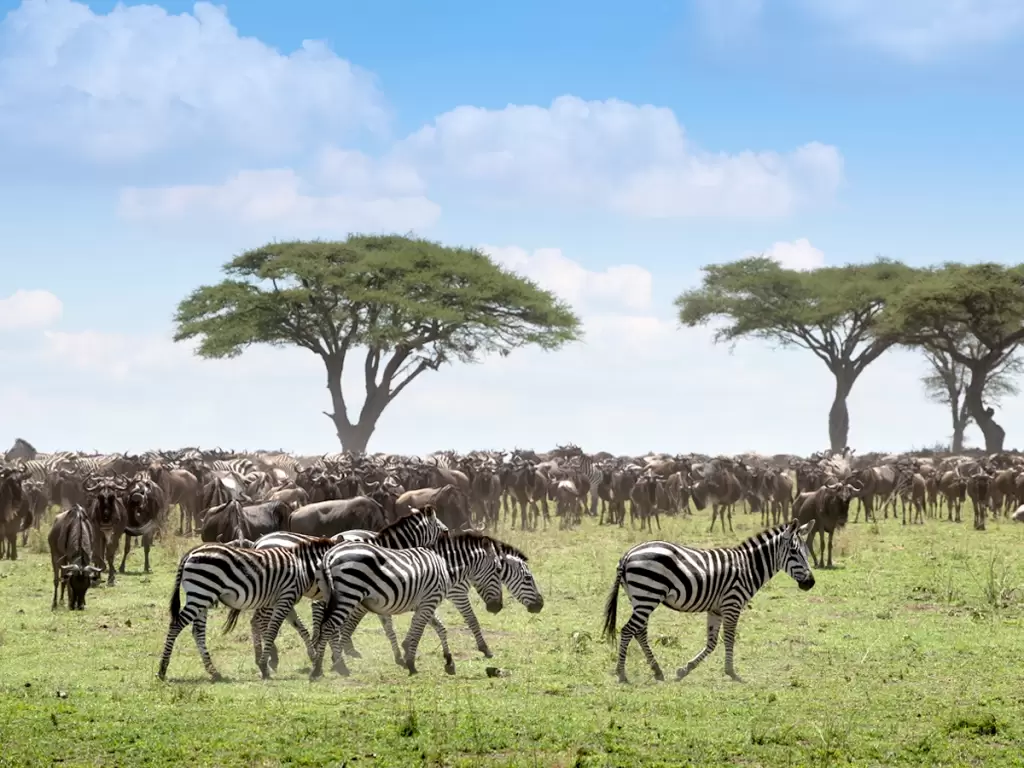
(717, 581)
(360, 577)
(271, 581)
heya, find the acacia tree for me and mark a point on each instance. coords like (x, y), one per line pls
(410, 305)
(947, 382)
(831, 311)
(973, 314)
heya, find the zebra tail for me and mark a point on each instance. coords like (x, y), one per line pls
(175, 596)
(233, 615)
(611, 608)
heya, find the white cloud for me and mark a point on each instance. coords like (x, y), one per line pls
(921, 29)
(612, 155)
(29, 309)
(799, 254)
(280, 204)
(627, 285)
(138, 79)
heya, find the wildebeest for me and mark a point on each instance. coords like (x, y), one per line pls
(231, 520)
(71, 551)
(12, 520)
(450, 501)
(829, 508)
(146, 510)
(327, 518)
(109, 518)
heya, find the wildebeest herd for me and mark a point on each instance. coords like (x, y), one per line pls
(390, 534)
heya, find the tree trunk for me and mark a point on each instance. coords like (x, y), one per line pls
(839, 415)
(354, 437)
(959, 427)
(994, 434)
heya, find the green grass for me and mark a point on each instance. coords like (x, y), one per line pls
(909, 652)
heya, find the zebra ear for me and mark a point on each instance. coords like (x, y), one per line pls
(807, 530)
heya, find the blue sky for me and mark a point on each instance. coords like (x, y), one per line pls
(143, 145)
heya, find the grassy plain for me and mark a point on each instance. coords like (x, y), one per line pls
(908, 653)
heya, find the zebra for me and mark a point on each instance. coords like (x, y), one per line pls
(514, 573)
(719, 581)
(268, 580)
(359, 577)
(419, 528)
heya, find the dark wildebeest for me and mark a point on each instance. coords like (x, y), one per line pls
(327, 518)
(109, 518)
(12, 520)
(450, 501)
(71, 550)
(146, 512)
(35, 500)
(230, 521)
(829, 509)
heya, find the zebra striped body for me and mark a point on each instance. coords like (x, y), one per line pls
(719, 582)
(388, 581)
(417, 529)
(514, 573)
(270, 581)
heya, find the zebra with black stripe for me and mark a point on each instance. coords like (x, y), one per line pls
(419, 528)
(270, 581)
(364, 577)
(718, 581)
(515, 575)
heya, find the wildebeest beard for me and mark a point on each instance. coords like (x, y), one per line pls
(105, 508)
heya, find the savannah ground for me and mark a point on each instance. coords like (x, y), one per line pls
(909, 652)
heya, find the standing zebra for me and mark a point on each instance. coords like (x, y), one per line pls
(419, 528)
(269, 580)
(360, 577)
(719, 581)
(514, 573)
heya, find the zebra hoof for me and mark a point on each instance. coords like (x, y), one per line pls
(353, 653)
(216, 677)
(659, 675)
(682, 672)
(486, 652)
(622, 678)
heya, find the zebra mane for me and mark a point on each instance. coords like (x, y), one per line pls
(768, 534)
(502, 547)
(414, 513)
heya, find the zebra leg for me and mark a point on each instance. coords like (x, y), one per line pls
(442, 634)
(328, 627)
(636, 625)
(199, 633)
(389, 629)
(460, 598)
(424, 613)
(256, 625)
(273, 619)
(714, 622)
(730, 620)
(341, 641)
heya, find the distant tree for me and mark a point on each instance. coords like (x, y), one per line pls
(954, 304)
(947, 380)
(411, 305)
(832, 312)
